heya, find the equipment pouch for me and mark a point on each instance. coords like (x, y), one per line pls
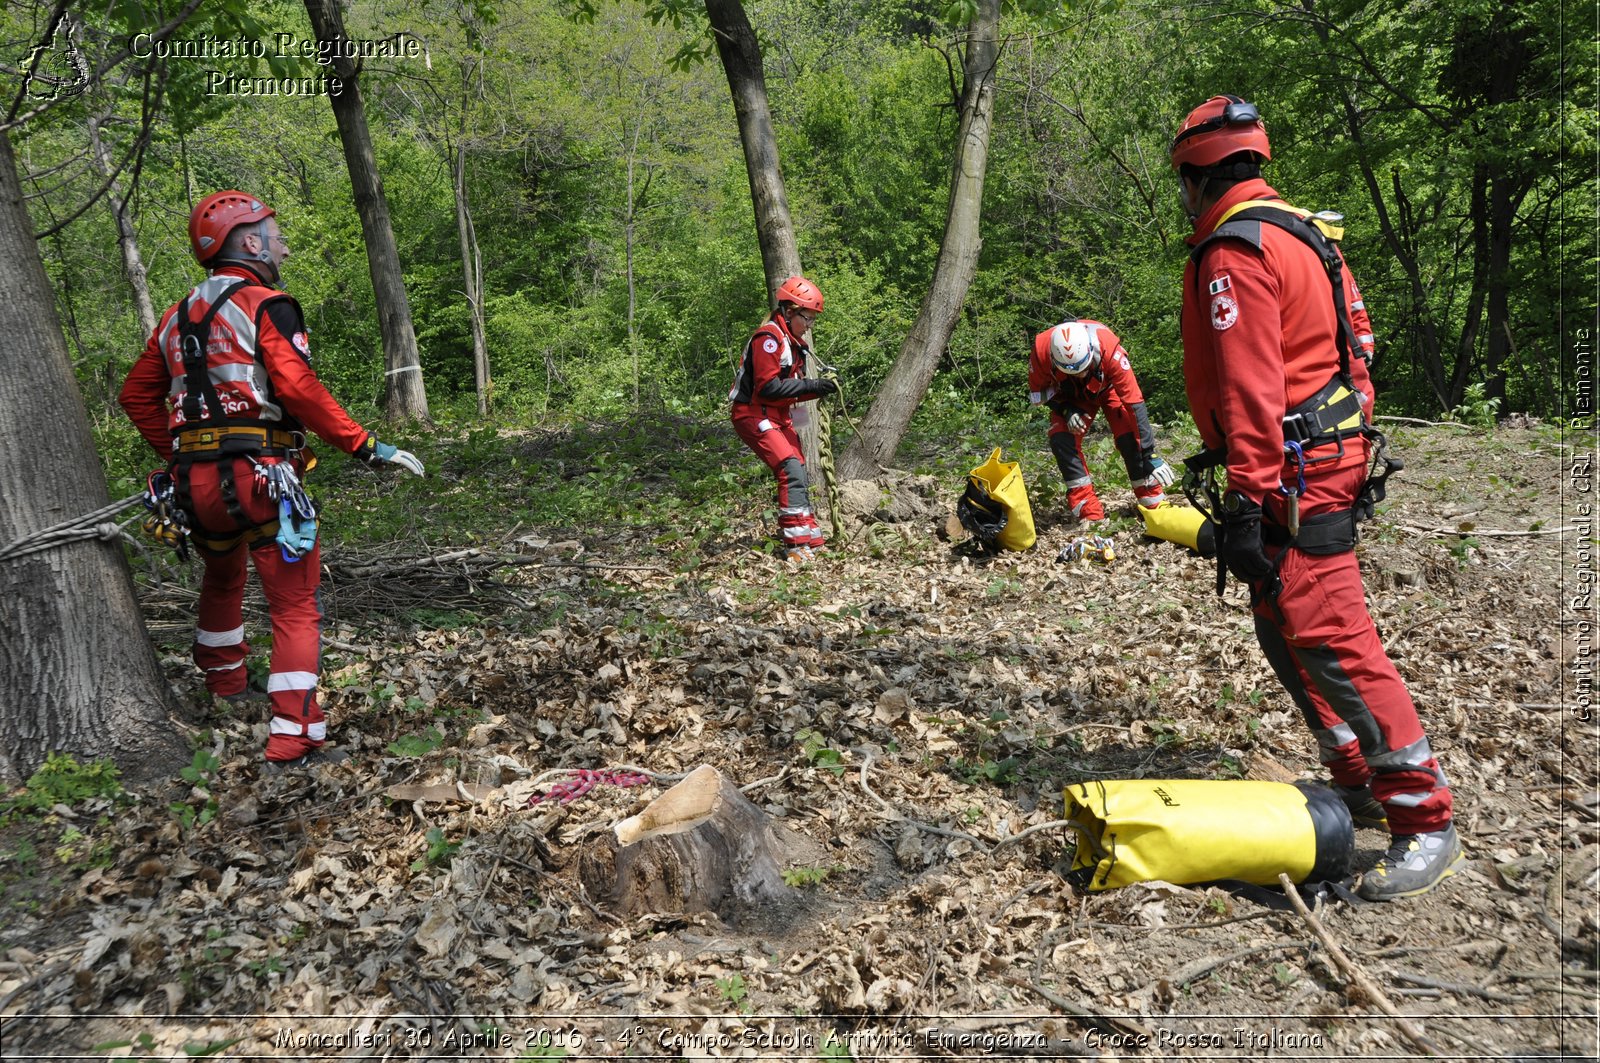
(1186, 831)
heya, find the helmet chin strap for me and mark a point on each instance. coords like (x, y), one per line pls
(1191, 207)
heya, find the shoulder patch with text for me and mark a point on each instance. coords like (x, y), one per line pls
(769, 345)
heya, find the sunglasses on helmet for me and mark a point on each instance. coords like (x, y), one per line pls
(1238, 112)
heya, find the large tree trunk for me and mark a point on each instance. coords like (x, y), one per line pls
(404, 397)
(472, 278)
(885, 423)
(740, 52)
(77, 672)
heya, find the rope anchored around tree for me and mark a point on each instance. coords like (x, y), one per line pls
(96, 525)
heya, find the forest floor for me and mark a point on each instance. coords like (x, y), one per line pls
(900, 709)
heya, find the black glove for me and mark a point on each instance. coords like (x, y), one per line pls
(824, 386)
(1241, 539)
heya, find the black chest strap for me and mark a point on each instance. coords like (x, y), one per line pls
(193, 339)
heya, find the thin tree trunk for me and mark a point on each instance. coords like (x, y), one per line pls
(404, 397)
(127, 236)
(886, 422)
(472, 278)
(740, 53)
(633, 305)
(77, 672)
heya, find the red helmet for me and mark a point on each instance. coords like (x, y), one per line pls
(801, 293)
(1220, 127)
(217, 215)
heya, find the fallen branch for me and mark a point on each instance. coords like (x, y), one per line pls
(1079, 1011)
(1458, 988)
(1426, 424)
(1356, 974)
(1189, 973)
(896, 814)
(1032, 830)
(1495, 533)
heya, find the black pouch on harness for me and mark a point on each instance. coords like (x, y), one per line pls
(982, 515)
(1376, 489)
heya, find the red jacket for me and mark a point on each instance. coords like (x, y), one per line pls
(1110, 383)
(1259, 339)
(258, 359)
(771, 375)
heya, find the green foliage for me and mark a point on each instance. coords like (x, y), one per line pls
(809, 876)
(732, 990)
(814, 747)
(418, 745)
(1476, 408)
(439, 853)
(200, 807)
(61, 780)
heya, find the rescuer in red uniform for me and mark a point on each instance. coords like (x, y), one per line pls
(1276, 340)
(1076, 369)
(770, 380)
(224, 391)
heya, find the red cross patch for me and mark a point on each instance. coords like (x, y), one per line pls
(769, 345)
(302, 343)
(1224, 312)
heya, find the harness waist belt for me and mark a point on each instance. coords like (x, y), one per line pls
(1334, 412)
(207, 440)
(1324, 533)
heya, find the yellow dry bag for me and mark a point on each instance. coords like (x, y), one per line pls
(998, 485)
(1198, 830)
(1182, 525)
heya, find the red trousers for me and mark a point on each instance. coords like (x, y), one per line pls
(298, 724)
(1320, 640)
(776, 444)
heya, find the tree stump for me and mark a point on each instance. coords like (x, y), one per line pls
(700, 847)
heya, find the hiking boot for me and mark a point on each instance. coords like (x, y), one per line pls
(1414, 864)
(320, 757)
(1364, 808)
(248, 698)
(799, 555)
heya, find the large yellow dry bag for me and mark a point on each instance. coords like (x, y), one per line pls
(1182, 525)
(1001, 483)
(1198, 830)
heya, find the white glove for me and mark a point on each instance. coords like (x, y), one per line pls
(395, 456)
(1077, 423)
(1161, 473)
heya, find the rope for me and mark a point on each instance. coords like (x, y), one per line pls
(89, 526)
(830, 476)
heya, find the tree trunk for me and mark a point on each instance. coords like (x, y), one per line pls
(127, 237)
(472, 278)
(885, 423)
(740, 53)
(404, 397)
(77, 672)
(700, 847)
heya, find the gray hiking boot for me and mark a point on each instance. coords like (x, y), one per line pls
(320, 757)
(1414, 864)
(248, 698)
(1364, 808)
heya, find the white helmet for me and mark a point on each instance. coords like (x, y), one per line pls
(1073, 349)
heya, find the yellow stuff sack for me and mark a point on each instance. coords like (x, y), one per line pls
(1199, 830)
(1002, 481)
(1182, 525)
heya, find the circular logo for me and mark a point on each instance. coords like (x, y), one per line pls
(1224, 312)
